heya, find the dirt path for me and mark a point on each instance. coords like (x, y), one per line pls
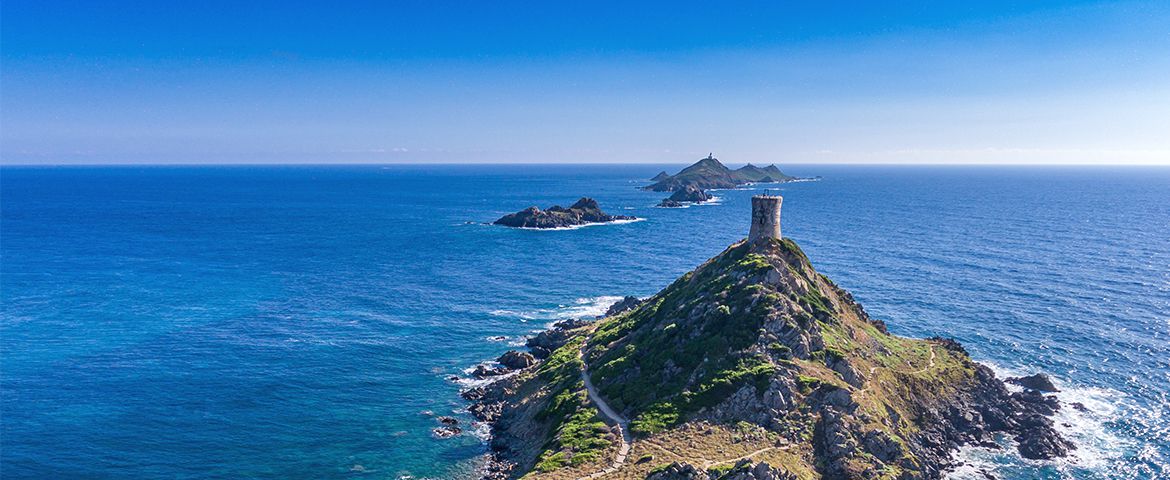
(928, 367)
(622, 423)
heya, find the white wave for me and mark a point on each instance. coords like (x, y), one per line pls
(512, 313)
(575, 227)
(713, 201)
(585, 307)
(1097, 446)
(468, 382)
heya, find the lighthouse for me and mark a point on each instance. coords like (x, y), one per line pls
(765, 217)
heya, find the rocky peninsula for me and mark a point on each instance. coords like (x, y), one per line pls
(709, 173)
(752, 366)
(584, 212)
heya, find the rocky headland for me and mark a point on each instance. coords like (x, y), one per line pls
(689, 194)
(752, 366)
(584, 212)
(709, 173)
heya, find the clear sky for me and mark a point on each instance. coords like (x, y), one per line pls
(498, 81)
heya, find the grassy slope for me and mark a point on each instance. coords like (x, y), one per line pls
(716, 330)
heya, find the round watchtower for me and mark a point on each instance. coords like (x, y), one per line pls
(765, 217)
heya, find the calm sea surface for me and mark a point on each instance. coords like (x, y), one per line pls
(296, 322)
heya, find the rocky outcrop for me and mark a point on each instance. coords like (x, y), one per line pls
(542, 344)
(686, 195)
(1039, 382)
(745, 470)
(514, 360)
(709, 173)
(678, 471)
(660, 177)
(584, 212)
(622, 306)
(449, 428)
(742, 470)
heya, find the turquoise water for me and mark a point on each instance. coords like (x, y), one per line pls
(295, 322)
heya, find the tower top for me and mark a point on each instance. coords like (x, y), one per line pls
(765, 217)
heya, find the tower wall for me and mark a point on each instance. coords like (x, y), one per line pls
(765, 217)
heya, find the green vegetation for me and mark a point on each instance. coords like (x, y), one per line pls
(719, 471)
(578, 435)
(718, 330)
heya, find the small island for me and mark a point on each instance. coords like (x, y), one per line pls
(709, 173)
(687, 195)
(584, 212)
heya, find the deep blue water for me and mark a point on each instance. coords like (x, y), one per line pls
(294, 322)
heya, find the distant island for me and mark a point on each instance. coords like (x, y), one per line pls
(709, 173)
(751, 367)
(584, 212)
(687, 195)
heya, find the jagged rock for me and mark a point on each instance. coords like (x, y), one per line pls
(1039, 382)
(448, 420)
(744, 470)
(585, 211)
(486, 412)
(622, 306)
(687, 194)
(484, 371)
(543, 343)
(446, 431)
(514, 360)
(678, 471)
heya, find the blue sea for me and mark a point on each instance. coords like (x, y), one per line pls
(301, 322)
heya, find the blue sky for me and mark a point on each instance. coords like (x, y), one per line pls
(389, 82)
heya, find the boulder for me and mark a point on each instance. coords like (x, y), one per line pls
(1039, 382)
(514, 360)
(484, 371)
(677, 471)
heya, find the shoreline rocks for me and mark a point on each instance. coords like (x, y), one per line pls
(585, 211)
(1039, 382)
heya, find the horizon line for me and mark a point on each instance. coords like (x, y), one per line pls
(351, 164)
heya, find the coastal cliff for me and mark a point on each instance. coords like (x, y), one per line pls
(751, 366)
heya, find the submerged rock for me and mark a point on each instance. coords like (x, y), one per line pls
(585, 211)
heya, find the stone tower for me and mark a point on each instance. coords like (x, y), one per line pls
(765, 217)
